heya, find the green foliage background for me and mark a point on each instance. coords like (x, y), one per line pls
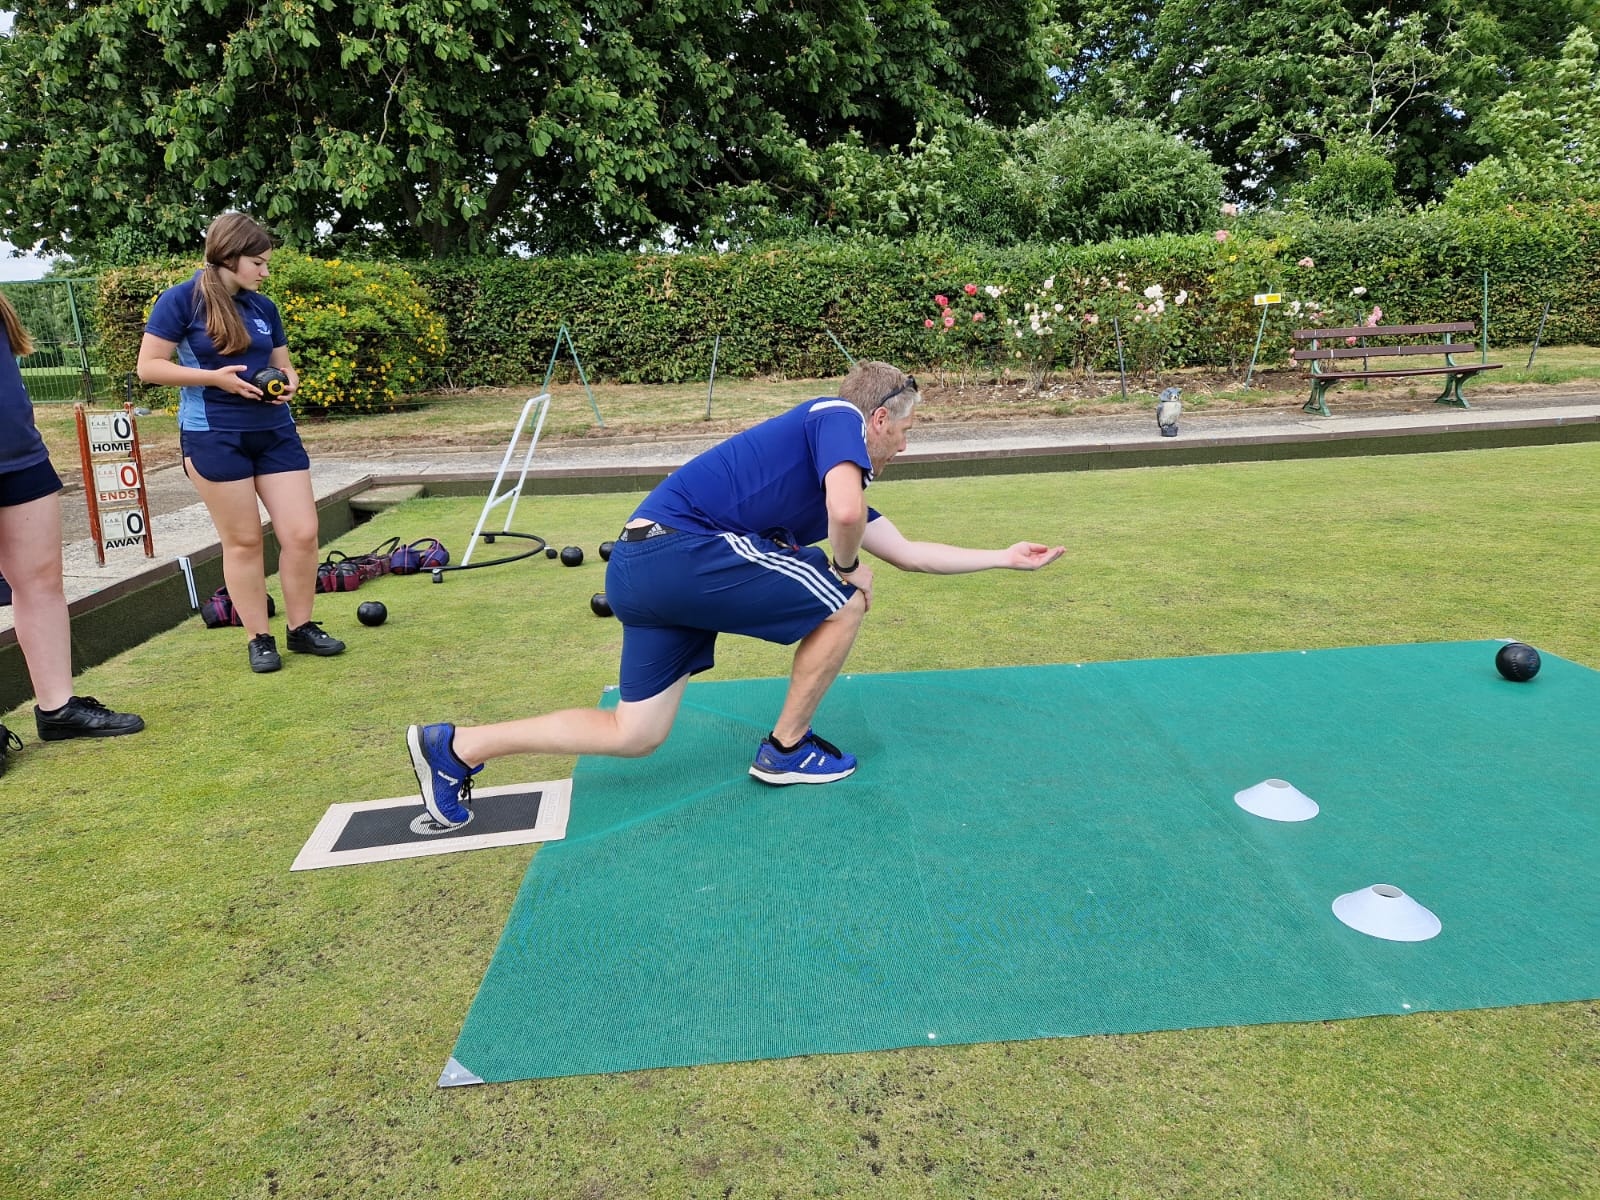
(653, 318)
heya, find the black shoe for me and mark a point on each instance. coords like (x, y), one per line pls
(9, 743)
(264, 654)
(309, 639)
(84, 716)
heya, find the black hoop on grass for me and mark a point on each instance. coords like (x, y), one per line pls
(538, 548)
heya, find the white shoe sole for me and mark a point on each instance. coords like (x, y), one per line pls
(786, 777)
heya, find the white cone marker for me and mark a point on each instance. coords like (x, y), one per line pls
(1384, 911)
(1276, 800)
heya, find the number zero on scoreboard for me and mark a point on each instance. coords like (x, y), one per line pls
(110, 433)
(122, 525)
(110, 427)
(116, 477)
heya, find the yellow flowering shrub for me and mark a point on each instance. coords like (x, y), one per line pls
(361, 334)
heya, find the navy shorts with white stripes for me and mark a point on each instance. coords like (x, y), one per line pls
(675, 593)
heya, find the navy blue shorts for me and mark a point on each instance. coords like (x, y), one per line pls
(227, 455)
(674, 594)
(28, 484)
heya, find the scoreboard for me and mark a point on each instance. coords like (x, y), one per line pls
(113, 481)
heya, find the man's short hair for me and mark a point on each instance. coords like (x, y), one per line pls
(874, 385)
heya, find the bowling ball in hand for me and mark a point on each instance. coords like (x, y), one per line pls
(272, 382)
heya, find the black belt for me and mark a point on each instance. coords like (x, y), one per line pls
(641, 532)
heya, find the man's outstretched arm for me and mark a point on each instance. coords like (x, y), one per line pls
(884, 541)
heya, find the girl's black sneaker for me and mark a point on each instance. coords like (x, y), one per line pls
(264, 654)
(84, 716)
(310, 639)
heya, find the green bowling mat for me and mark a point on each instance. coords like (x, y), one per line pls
(1053, 851)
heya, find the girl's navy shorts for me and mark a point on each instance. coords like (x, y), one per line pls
(227, 455)
(27, 484)
(675, 593)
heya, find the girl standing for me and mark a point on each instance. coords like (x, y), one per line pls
(30, 560)
(210, 337)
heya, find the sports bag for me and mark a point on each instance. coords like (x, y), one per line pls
(425, 554)
(376, 561)
(218, 611)
(338, 573)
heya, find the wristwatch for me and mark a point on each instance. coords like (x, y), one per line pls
(845, 569)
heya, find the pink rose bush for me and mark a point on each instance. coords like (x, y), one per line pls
(952, 348)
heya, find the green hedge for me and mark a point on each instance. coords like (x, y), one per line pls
(653, 318)
(1431, 265)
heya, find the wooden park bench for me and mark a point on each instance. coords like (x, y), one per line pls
(1333, 360)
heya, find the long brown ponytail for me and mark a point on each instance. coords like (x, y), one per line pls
(230, 237)
(16, 332)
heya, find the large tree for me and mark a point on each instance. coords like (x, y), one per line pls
(452, 125)
(1264, 85)
(1545, 135)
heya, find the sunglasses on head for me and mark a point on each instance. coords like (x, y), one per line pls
(910, 385)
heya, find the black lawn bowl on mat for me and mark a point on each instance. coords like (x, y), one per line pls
(1331, 364)
(572, 556)
(599, 605)
(372, 612)
(1517, 661)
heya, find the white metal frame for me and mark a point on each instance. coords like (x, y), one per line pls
(496, 496)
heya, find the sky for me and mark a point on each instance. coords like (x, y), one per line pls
(28, 266)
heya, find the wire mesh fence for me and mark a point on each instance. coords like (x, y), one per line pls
(65, 365)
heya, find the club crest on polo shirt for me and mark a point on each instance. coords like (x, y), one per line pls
(262, 326)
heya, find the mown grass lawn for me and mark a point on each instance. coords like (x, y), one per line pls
(184, 1017)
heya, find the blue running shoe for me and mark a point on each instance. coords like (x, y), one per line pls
(445, 780)
(812, 761)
